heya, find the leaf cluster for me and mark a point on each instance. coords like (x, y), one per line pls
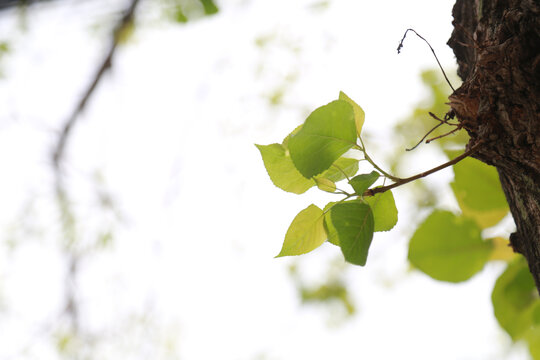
(318, 153)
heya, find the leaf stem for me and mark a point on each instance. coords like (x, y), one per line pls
(342, 172)
(425, 136)
(370, 160)
(343, 192)
(371, 192)
(339, 202)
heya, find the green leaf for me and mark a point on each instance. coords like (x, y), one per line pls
(341, 169)
(281, 169)
(515, 299)
(328, 226)
(209, 7)
(327, 133)
(4, 47)
(353, 224)
(284, 175)
(331, 291)
(285, 142)
(448, 248)
(478, 192)
(502, 249)
(325, 184)
(359, 115)
(361, 183)
(179, 15)
(384, 210)
(305, 233)
(533, 338)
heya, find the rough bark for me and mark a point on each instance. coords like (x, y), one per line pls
(497, 45)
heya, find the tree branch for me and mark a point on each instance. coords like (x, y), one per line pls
(371, 192)
(123, 23)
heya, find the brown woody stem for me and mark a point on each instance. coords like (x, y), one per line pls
(371, 192)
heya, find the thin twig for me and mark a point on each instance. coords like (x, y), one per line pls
(433, 51)
(425, 136)
(443, 135)
(124, 22)
(441, 122)
(371, 192)
(445, 121)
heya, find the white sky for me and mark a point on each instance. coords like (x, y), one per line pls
(171, 130)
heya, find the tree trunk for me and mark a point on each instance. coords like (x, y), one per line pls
(497, 45)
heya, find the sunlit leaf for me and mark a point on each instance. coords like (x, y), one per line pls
(353, 223)
(305, 233)
(331, 231)
(285, 142)
(359, 115)
(484, 218)
(284, 174)
(515, 299)
(327, 133)
(281, 169)
(325, 184)
(362, 182)
(341, 169)
(533, 338)
(448, 248)
(478, 192)
(501, 249)
(384, 209)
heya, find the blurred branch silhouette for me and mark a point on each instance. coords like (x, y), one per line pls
(6, 4)
(68, 221)
(81, 235)
(125, 22)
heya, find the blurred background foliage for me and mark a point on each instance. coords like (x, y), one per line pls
(419, 122)
(183, 11)
(412, 128)
(82, 231)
